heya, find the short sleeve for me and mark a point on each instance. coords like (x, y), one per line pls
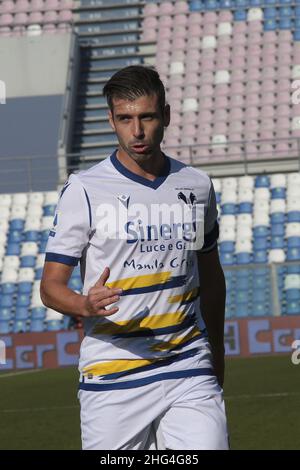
(211, 226)
(71, 226)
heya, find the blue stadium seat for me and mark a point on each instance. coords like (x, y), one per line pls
(15, 236)
(66, 322)
(22, 313)
(277, 242)
(293, 269)
(211, 5)
(260, 310)
(38, 273)
(260, 243)
(227, 259)
(23, 300)
(285, 23)
(260, 282)
(285, 12)
(293, 254)
(292, 294)
(241, 3)
(227, 247)
(270, 12)
(8, 288)
(240, 15)
(5, 314)
(20, 326)
(271, 2)
(293, 242)
(28, 261)
(17, 224)
(196, 5)
(243, 258)
(32, 236)
(293, 216)
(277, 230)
(260, 295)
(228, 209)
(296, 36)
(54, 325)
(256, 3)
(24, 287)
(243, 283)
(242, 310)
(6, 300)
(245, 208)
(5, 327)
(293, 308)
(242, 296)
(13, 249)
(38, 313)
(260, 257)
(262, 181)
(261, 231)
(44, 234)
(37, 325)
(277, 218)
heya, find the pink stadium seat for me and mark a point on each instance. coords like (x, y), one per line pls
(178, 44)
(179, 33)
(238, 62)
(35, 18)
(235, 114)
(181, 7)
(235, 152)
(206, 77)
(20, 19)
(210, 17)
(269, 60)
(219, 127)
(254, 49)
(281, 149)
(224, 40)
(285, 36)
(268, 98)
(254, 26)
(220, 115)
(252, 100)
(175, 93)
(205, 90)
(268, 85)
(205, 116)
(222, 89)
(295, 111)
(252, 112)
(64, 28)
(250, 136)
(176, 80)
(209, 29)
(206, 102)
(237, 88)
(7, 6)
(195, 18)
(205, 131)
(235, 127)
(285, 48)
(283, 85)
(176, 119)
(163, 33)
(235, 136)
(165, 21)
(65, 15)
(36, 5)
(193, 78)
(190, 91)
(50, 17)
(177, 55)
(195, 30)
(222, 63)
(150, 22)
(270, 37)
(239, 39)
(219, 152)
(221, 102)
(253, 74)
(150, 9)
(269, 73)
(237, 101)
(149, 35)
(284, 59)
(223, 51)
(189, 130)
(65, 4)
(193, 54)
(283, 97)
(165, 45)
(5, 31)
(180, 20)
(269, 48)
(252, 87)
(49, 29)
(6, 19)
(282, 122)
(165, 8)
(225, 16)
(284, 71)
(255, 38)
(193, 43)
(267, 111)
(239, 27)
(238, 50)
(190, 118)
(18, 31)
(251, 125)
(208, 64)
(253, 61)
(283, 110)
(176, 105)
(251, 151)
(267, 124)
(266, 134)
(22, 6)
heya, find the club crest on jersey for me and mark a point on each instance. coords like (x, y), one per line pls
(124, 199)
(187, 200)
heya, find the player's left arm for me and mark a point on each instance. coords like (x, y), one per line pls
(212, 304)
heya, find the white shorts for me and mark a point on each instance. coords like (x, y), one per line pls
(180, 413)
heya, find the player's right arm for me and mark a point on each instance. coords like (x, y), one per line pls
(56, 294)
(67, 241)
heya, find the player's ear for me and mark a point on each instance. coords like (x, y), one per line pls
(167, 115)
(111, 119)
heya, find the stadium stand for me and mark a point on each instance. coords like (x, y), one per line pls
(230, 69)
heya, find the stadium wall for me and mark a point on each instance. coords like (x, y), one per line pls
(243, 338)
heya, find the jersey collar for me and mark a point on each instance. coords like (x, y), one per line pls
(140, 179)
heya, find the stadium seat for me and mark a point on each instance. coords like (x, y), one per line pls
(5, 327)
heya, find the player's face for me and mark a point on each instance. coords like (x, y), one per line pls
(139, 125)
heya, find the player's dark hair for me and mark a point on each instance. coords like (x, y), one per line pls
(133, 82)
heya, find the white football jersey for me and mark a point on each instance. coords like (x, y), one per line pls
(108, 216)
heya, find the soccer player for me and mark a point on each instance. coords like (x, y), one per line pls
(152, 359)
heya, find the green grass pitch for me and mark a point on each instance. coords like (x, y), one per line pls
(39, 409)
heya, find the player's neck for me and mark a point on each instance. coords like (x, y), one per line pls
(149, 169)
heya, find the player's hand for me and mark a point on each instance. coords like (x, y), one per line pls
(99, 297)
